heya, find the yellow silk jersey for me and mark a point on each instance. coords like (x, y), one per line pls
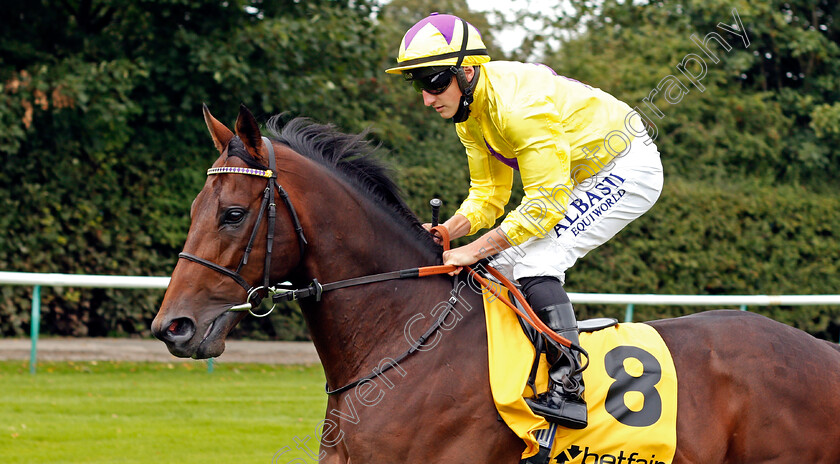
(556, 131)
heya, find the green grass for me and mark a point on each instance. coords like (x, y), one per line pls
(119, 412)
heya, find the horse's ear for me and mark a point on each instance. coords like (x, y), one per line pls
(249, 132)
(221, 134)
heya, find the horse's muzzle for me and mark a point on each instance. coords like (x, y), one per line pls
(188, 337)
(178, 334)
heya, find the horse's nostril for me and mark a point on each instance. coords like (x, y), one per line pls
(179, 330)
(175, 326)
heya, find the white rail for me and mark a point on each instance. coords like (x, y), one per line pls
(38, 280)
(707, 300)
(114, 281)
(78, 280)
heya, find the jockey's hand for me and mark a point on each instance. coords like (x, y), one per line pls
(461, 256)
(489, 244)
(435, 235)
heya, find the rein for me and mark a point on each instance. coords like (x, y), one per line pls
(284, 292)
(290, 293)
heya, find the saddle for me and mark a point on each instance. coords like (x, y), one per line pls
(631, 391)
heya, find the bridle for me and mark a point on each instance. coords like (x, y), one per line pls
(283, 292)
(267, 205)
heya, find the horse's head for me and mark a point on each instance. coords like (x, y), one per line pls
(231, 217)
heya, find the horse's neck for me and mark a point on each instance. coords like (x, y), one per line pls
(351, 237)
(356, 327)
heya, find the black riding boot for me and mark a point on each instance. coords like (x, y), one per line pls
(563, 403)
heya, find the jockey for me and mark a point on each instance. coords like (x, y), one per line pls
(586, 162)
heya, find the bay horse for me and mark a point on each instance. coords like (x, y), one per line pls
(750, 390)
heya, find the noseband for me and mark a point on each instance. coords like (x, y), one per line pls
(267, 205)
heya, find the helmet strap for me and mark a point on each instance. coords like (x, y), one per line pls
(467, 90)
(466, 87)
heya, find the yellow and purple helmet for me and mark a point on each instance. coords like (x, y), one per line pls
(440, 40)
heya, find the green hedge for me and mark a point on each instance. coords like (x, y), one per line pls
(698, 239)
(708, 239)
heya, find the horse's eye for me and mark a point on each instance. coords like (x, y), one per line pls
(233, 216)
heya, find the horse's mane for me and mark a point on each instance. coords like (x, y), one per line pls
(351, 156)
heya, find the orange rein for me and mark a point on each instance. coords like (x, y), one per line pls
(528, 314)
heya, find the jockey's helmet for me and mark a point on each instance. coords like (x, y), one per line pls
(440, 40)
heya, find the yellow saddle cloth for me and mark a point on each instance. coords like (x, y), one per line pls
(631, 392)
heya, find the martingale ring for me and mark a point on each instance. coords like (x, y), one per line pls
(250, 295)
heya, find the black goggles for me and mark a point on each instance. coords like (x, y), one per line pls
(435, 83)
